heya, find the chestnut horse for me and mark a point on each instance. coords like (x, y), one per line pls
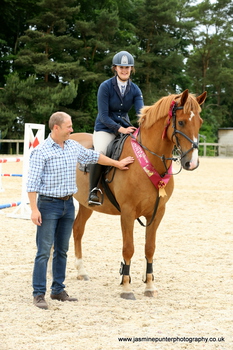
(173, 120)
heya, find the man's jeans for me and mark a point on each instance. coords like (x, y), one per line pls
(55, 230)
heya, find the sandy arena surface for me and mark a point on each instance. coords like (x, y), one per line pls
(192, 267)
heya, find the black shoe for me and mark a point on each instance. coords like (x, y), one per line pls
(63, 296)
(40, 302)
(93, 197)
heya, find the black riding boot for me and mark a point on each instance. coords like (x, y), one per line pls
(94, 176)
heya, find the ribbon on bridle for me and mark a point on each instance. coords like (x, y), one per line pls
(158, 181)
(170, 114)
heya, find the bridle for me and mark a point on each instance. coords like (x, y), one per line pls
(171, 116)
(175, 132)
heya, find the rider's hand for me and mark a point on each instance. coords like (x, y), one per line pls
(128, 130)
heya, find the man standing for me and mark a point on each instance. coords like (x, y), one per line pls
(51, 185)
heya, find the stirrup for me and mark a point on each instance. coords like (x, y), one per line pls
(90, 202)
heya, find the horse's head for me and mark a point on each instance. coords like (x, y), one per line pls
(178, 119)
(182, 127)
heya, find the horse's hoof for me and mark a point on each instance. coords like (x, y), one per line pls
(83, 278)
(150, 293)
(128, 296)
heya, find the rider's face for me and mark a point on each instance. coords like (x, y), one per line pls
(123, 73)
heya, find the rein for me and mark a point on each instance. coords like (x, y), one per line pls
(163, 158)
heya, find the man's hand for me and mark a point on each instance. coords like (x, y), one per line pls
(36, 217)
(122, 164)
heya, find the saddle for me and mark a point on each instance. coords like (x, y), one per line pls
(114, 151)
(115, 147)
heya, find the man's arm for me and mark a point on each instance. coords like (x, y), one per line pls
(36, 215)
(120, 164)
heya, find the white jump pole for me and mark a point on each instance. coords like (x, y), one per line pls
(23, 211)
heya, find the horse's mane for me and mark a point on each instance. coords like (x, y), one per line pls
(150, 114)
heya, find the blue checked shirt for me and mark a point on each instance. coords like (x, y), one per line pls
(52, 170)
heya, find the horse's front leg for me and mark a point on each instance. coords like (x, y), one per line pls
(78, 231)
(150, 245)
(127, 225)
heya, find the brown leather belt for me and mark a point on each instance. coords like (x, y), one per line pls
(65, 198)
(61, 198)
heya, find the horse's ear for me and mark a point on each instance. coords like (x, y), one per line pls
(200, 99)
(184, 97)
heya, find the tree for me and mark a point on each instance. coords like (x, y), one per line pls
(210, 62)
(29, 103)
(13, 18)
(161, 60)
(67, 48)
(105, 28)
(48, 54)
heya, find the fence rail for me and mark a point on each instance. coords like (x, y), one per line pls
(216, 149)
(17, 142)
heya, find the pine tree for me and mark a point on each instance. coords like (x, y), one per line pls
(210, 62)
(23, 101)
(159, 54)
(47, 66)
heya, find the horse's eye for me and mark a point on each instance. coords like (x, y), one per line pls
(181, 123)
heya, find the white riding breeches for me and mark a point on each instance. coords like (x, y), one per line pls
(101, 140)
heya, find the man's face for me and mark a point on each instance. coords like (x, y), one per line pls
(66, 128)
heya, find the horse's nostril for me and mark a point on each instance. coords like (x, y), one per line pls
(187, 165)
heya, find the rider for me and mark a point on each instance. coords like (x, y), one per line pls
(115, 98)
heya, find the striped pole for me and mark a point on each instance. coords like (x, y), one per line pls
(6, 160)
(14, 204)
(12, 175)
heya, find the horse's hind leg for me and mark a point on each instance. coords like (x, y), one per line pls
(78, 231)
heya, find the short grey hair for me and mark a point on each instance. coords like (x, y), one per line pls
(57, 118)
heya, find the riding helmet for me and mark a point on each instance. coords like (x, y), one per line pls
(123, 58)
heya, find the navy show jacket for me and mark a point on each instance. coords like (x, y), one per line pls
(112, 106)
